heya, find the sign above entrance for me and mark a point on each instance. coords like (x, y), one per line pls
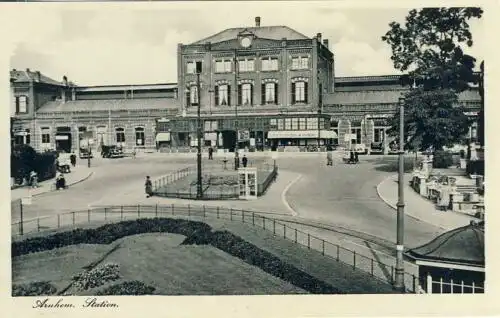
(324, 134)
(62, 137)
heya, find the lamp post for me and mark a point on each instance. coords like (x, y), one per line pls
(199, 193)
(399, 279)
(236, 146)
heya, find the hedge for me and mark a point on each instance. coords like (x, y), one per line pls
(34, 289)
(197, 233)
(442, 159)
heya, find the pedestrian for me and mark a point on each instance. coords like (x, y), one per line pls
(236, 160)
(210, 153)
(32, 178)
(329, 157)
(149, 187)
(244, 160)
(73, 159)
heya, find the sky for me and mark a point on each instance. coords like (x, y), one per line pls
(132, 44)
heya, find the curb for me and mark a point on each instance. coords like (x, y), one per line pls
(394, 207)
(69, 184)
(283, 195)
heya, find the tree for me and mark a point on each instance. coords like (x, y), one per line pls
(432, 118)
(428, 48)
(480, 128)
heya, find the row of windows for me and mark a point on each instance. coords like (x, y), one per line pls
(248, 65)
(297, 123)
(245, 94)
(119, 133)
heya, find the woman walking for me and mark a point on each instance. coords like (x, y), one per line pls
(149, 187)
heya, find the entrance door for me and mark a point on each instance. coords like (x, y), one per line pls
(63, 142)
(228, 139)
(63, 139)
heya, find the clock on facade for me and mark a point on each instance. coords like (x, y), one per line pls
(246, 42)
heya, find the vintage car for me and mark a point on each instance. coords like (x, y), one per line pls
(112, 152)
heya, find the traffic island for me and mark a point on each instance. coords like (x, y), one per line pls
(218, 184)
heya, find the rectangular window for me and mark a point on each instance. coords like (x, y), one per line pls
(191, 67)
(139, 136)
(194, 95)
(288, 124)
(378, 135)
(270, 64)
(295, 123)
(300, 62)
(356, 132)
(302, 124)
(45, 135)
(21, 104)
(120, 135)
(272, 122)
(280, 124)
(312, 123)
(223, 66)
(246, 65)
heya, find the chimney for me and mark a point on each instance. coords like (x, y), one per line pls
(38, 76)
(257, 21)
(318, 36)
(65, 80)
(28, 70)
(325, 43)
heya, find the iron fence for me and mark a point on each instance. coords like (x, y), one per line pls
(109, 214)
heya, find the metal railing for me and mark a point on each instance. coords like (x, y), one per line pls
(267, 173)
(451, 287)
(109, 214)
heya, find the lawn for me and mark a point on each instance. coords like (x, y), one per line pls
(157, 260)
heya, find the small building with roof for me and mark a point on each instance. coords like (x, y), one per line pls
(453, 262)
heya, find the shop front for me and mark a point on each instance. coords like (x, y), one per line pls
(301, 138)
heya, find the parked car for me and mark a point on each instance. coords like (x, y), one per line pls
(111, 151)
(85, 153)
(377, 148)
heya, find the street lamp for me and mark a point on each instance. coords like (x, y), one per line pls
(236, 146)
(199, 192)
(399, 279)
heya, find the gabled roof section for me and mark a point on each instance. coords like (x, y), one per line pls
(27, 75)
(265, 32)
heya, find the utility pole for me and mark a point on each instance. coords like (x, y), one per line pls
(399, 279)
(199, 192)
(236, 146)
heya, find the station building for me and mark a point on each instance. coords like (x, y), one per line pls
(267, 87)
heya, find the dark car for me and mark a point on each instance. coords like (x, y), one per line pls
(111, 152)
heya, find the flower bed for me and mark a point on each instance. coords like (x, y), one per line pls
(96, 277)
(128, 288)
(34, 289)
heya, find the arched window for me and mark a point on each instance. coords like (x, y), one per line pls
(139, 136)
(120, 134)
(300, 90)
(222, 95)
(245, 91)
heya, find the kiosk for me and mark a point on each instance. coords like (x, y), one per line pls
(247, 183)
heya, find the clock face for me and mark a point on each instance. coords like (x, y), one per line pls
(246, 42)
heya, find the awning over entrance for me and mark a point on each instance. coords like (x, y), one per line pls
(301, 134)
(163, 136)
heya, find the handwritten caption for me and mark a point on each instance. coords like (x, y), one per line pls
(91, 302)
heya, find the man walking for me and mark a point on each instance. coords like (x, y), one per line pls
(244, 160)
(73, 159)
(210, 153)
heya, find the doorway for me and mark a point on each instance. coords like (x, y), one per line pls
(63, 139)
(228, 139)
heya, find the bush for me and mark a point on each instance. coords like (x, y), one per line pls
(96, 277)
(133, 288)
(25, 159)
(108, 233)
(442, 159)
(34, 289)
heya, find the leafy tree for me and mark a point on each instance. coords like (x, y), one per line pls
(432, 118)
(428, 48)
(480, 128)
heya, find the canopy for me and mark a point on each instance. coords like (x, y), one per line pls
(301, 134)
